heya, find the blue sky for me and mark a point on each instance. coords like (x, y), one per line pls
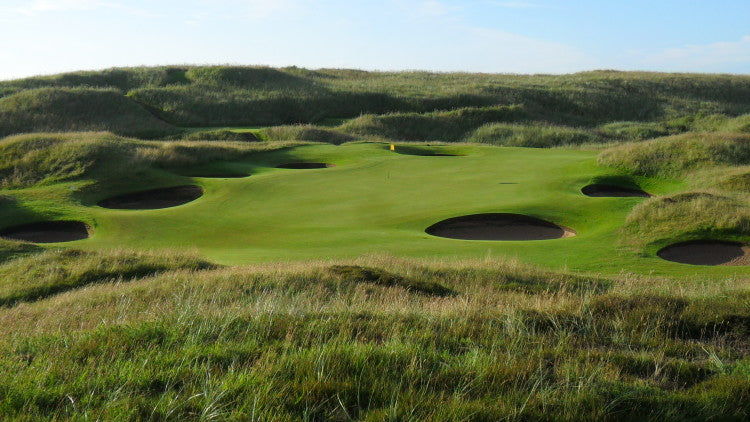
(534, 36)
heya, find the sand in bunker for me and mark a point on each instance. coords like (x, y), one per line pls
(154, 199)
(304, 166)
(498, 227)
(599, 190)
(48, 232)
(707, 252)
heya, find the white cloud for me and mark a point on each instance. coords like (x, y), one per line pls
(710, 54)
(492, 50)
(697, 58)
(245, 10)
(432, 8)
(516, 4)
(42, 6)
(39, 7)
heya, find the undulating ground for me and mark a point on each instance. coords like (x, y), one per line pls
(316, 293)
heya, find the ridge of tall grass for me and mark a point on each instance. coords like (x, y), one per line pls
(673, 156)
(297, 342)
(689, 216)
(43, 158)
(214, 96)
(77, 109)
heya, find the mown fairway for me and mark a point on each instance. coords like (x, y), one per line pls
(377, 201)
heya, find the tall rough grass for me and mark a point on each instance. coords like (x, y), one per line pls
(36, 159)
(530, 135)
(675, 155)
(261, 96)
(449, 126)
(687, 216)
(77, 109)
(310, 342)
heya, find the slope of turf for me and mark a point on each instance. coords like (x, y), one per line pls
(77, 109)
(372, 201)
(134, 336)
(602, 105)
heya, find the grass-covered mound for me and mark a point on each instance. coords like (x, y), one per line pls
(530, 135)
(675, 155)
(689, 216)
(305, 133)
(220, 135)
(603, 104)
(50, 273)
(77, 109)
(712, 164)
(43, 159)
(447, 126)
(365, 340)
(735, 179)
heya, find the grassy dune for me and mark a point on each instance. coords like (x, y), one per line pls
(316, 342)
(639, 105)
(77, 109)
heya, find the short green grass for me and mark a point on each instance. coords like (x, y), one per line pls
(372, 201)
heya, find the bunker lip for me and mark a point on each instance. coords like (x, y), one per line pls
(154, 198)
(498, 226)
(304, 165)
(48, 231)
(604, 190)
(707, 252)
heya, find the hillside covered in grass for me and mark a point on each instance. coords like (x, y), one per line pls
(539, 110)
(301, 281)
(127, 336)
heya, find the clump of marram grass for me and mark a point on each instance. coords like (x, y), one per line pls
(34, 159)
(632, 131)
(289, 342)
(220, 135)
(360, 274)
(672, 156)
(686, 216)
(305, 133)
(446, 126)
(56, 271)
(214, 96)
(730, 179)
(77, 109)
(531, 135)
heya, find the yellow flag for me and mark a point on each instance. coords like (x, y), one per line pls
(393, 147)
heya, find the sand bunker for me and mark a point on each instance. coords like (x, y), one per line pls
(601, 190)
(154, 199)
(304, 166)
(498, 227)
(707, 252)
(48, 232)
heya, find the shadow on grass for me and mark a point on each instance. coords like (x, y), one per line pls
(359, 274)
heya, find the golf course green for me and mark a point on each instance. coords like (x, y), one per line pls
(375, 201)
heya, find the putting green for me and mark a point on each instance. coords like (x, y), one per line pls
(377, 201)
